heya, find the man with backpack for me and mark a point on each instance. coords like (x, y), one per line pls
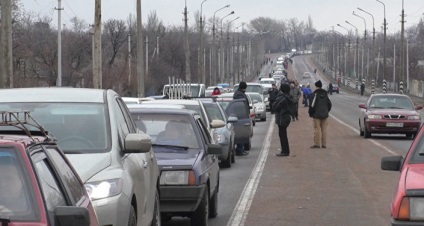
(319, 108)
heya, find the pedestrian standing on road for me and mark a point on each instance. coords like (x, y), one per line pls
(240, 94)
(330, 88)
(295, 94)
(306, 92)
(319, 108)
(282, 107)
(362, 88)
(273, 93)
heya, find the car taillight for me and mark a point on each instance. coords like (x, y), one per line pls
(404, 209)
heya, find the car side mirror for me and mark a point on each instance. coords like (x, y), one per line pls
(392, 163)
(362, 106)
(72, 216)
(214, 149)
(418, 107)
(216, 123)
(232, 119)
(137, 143)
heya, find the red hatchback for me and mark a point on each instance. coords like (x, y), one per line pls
(407, 207)
(389, 114)
(38, 185)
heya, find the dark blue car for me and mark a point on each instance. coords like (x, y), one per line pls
(187, 159)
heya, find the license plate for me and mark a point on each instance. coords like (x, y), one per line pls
(394, 124)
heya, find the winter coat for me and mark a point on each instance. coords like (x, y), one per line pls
(282, 107)
(295, 94)
(273, 93)
(238, 94)
(320, 104)
(216, 92)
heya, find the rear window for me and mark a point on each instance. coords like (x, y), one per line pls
(238, 109)
(17, 194)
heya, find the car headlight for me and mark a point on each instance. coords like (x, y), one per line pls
(411, 208)
(414, 117)
(104, 189)
(220, 137)
(185, 177)
(374, 116)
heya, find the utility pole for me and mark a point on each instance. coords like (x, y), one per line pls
(97, 39)
(129, 60)
(6, 45)
(147, 56)
(402, 49)
(59, 43)
(140, 71)
(186, 46)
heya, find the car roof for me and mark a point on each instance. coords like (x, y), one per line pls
(146, 105)
(388, 94)
(172, 101)
(53, 94)
(164, 110)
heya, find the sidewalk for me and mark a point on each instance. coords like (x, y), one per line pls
(315, 186)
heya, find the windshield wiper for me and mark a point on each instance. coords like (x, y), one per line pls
(170, 146)
(396, 108)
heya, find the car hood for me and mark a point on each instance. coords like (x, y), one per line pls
(415, 177)
(88, 165)
(171, 158)
(392, 111)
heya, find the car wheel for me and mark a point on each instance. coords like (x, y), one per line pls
(156, 221)
(201, 214)
(227, 162)
(361, 132)
(213, 205)
(132, 220)
(367, 134)
(233, 154)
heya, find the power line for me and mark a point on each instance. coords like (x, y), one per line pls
(70, 8)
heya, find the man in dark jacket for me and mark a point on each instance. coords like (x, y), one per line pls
(240, 94)
(273, 92)
(319, 108)
(282, 106)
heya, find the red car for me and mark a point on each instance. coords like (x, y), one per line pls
(38, 185)
(389, 114)
(408, 202)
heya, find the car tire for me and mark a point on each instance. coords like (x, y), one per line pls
(367, 134)
(200, 216)
(361, 132)
(227, 162)
(213, 205)
(156, 221)
(132, 220)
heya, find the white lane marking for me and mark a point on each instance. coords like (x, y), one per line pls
(370, 140)
(238, 217)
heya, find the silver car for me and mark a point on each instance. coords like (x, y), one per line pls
(96, 132)
(259, 105)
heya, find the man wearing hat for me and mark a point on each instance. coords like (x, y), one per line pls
(240, 94)
(319, 108)
(283, 109)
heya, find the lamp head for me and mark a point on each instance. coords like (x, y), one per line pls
(232, 12)
(227, 6)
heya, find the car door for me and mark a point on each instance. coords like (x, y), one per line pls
(243, 126)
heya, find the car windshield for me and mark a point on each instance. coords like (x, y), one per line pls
(78, 127)
(213, 111)
(16, 201)
(391, 102)
(167, 130)
(256, 97)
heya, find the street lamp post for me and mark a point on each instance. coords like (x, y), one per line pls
(363, 77)
(239, 55)
(221, 68)
(374, 80)
(213, 63)
(202, 50)
(346, 54)
(373, 28)
(356, 55)
(229, 59)
(384, 48)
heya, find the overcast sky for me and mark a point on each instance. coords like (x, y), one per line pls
(324, 13)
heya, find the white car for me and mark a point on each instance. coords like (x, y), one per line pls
(258, 105)
(306, 75)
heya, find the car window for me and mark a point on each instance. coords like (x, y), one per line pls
(169, 129)
(213, 111)
(391, 102)
(17, 196)
(121, 124)
(52, 193)
(205, 134)
(69, 178)
(77, 126)
(256, 97)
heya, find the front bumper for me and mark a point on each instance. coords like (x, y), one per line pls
(175, 199)
(114, 210)
(260, 114)
(380, 126)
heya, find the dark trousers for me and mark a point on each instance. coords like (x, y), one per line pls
(284, 141)
(239, 148)
(270, 107)
(295, 111)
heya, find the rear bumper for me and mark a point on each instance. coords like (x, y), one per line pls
(180, 198)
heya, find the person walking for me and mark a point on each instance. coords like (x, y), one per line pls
(282, 107)
(295, 94)
(240, 94)
(273, 93)
(362, 88)
(330, 88)
(319, 108)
